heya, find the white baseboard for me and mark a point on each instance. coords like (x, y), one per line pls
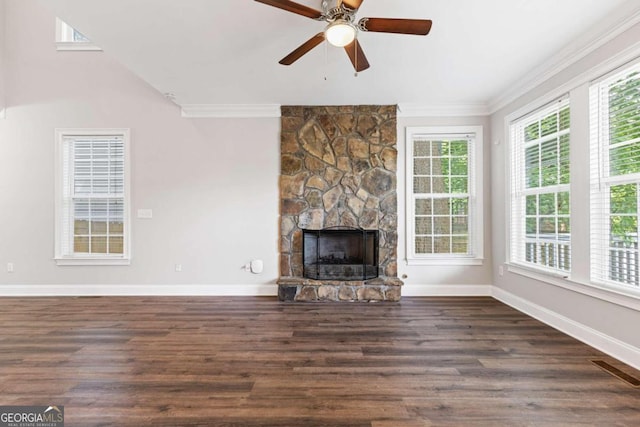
(138, 290)
(596, 339)
(213, 290)
(36, 290)
(446, 290)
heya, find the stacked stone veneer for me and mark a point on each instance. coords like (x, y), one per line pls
(338, 168)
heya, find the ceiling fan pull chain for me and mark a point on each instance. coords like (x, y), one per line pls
(326, 58)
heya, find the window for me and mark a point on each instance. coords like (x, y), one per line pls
(615, 178)
(540, 189)
(92, 197)
(68, 38)
(444, 195)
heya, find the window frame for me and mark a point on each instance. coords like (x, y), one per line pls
(578, 87)
(65, 42)
(517, 189)
(475, 191)
(61, 233)
(602, 180)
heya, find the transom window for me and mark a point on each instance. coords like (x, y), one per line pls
(68, 38)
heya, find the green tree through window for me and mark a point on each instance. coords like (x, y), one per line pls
(444, 197)
(615, 203)
(541, 225)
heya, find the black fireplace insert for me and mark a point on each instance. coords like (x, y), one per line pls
(340, 254)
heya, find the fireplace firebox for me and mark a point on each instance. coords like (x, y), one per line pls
(340, 254)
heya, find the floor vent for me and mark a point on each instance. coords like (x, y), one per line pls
(631, 380)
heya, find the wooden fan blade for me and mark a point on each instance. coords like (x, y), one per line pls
(352, 4)
(304, 48)
(293, 7)
(356, 55)
(419, 27)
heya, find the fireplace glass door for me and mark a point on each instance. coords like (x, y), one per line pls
(340, 254)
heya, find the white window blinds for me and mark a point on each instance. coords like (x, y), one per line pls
(93, 199)
(540, 188)
(615, 178)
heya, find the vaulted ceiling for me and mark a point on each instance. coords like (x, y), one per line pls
(221, 52)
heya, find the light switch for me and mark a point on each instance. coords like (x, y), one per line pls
(145, 213)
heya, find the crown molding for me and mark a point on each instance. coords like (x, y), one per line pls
(590, 41)
(193, 111)
(442, 110)
(196, 111)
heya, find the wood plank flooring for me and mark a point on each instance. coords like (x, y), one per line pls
(245, 361)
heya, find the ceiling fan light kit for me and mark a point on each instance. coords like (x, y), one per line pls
(342, 32)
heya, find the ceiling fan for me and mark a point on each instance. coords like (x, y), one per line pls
(342, 30)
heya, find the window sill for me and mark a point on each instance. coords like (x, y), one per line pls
(70, 46)
(445, 261)
(629, 298)
(526, 270)
(92, 261)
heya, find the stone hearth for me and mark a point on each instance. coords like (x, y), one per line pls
(338, 168)
(309, 290)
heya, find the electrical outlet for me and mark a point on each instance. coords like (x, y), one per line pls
(501, 270)
(178, 268)
(9, 267)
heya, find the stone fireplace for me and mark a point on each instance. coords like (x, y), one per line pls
(338, 172)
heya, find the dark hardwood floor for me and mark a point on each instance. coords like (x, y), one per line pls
(220, 361)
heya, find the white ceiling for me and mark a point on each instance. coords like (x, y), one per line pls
(227, 51)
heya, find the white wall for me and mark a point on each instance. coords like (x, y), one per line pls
(443, 280)
(212, 183)
(613, 321)
(2, 28)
